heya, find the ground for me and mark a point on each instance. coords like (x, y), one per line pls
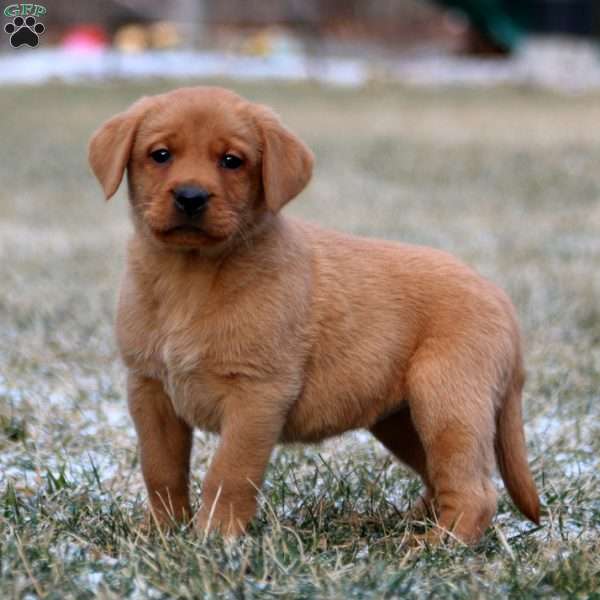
(507, 179)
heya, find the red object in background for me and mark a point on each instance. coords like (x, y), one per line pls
(85, 38)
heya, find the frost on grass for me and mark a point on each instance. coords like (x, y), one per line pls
(506, 180)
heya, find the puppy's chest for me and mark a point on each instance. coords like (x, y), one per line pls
(197, 354)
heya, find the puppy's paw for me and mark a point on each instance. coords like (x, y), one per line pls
(422, 509)
(433, 538)
(228, 526)
(162, 520)
(150, 524)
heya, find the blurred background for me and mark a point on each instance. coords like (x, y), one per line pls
(349, 42)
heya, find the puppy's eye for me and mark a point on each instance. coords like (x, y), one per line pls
(231, 161)
(162, 155)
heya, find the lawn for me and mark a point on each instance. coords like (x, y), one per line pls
(507, 179)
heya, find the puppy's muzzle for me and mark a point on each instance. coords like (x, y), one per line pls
(190, 200)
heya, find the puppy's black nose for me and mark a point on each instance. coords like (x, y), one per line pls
(190, 200)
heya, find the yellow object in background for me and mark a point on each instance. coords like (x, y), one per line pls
(135, 38)
(164, 34)
(131, 39)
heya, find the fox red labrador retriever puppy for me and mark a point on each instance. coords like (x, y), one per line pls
(264, 329)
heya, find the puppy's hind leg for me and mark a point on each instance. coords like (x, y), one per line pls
(398, 434)
(452, 408)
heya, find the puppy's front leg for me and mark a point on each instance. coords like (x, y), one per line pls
(165, 443)
(248, 435)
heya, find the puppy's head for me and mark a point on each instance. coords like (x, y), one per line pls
(204, 165)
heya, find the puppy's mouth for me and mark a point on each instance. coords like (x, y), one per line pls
(193, 229)
(187, 233)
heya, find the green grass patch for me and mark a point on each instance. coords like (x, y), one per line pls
(506, 179)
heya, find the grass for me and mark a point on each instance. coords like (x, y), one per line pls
(506, 179)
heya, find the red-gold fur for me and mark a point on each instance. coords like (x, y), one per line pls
(266, 329)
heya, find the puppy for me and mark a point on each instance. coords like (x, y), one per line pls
(264, 329)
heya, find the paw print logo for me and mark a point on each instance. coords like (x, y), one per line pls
(24, 31)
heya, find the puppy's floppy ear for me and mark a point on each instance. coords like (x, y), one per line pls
(110, 148)
(287, 162)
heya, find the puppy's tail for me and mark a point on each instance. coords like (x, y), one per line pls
(511, 454)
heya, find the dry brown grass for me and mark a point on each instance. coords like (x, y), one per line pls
(506, 179)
